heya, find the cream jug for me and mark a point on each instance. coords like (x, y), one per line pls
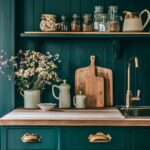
(79, 100)
(133, 21)
(64, 94)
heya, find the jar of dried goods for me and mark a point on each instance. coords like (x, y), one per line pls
(87, 25)
(76, 24)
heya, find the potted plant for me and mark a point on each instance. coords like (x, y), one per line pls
(32, 72)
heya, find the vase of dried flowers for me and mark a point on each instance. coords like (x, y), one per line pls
(33, 72)
(31, 98)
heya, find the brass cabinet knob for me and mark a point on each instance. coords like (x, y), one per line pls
(30, 138)
(99, 138)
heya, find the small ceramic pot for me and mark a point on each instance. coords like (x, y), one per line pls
(48, 23)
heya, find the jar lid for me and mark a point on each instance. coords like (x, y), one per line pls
(76, 16)
(87, 16)
(63, 17)
(51, 15)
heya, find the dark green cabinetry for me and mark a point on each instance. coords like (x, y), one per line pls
(12, 138)
(76, 138)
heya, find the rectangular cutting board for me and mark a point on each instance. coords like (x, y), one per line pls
(104, 73)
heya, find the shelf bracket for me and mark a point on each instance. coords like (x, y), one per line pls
(117, 48)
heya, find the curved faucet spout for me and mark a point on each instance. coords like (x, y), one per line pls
(129, 96)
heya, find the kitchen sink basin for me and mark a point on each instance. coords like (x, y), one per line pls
(143, 111)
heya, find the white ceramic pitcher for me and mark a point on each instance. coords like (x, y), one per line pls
(133, 21)
(64, 94)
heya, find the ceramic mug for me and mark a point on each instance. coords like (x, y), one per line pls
(79, 101)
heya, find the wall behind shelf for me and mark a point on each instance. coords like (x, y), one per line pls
(75, 53)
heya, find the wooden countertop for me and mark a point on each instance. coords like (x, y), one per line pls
(102, 117)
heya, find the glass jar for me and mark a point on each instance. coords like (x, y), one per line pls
(114, 19)
(76, 24)
(103, 24)
(64, 24)
(87, 25)
(113, 12)
(114, 25)
(97, 13)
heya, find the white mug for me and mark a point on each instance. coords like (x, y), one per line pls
(79, 101)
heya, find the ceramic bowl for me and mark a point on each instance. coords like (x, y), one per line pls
(46, 106)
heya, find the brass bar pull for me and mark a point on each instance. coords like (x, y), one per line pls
(100, 138)
(30, 138)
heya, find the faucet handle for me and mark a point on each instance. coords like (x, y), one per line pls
(138, 93)
(136, 98)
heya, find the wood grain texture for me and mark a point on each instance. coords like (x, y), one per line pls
(91, 85)
(102, 117)
(106, 80)
(111, 33)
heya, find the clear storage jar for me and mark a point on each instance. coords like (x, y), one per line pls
(97, 13)
(87, 25)
(76, 23)
(103, 24)
(114, 19)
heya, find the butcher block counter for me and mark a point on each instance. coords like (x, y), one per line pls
(72, 117)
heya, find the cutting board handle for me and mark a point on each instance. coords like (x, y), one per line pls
(92, 59)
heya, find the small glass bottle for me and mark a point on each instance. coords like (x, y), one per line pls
(103, 24)
(76, 24)
(64, 24)
(97, 13)
(87, 25)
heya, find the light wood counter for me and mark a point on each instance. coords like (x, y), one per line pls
(103, 117)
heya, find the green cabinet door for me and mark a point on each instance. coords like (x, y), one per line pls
(140, 138)
(76, 138)
(12, 138)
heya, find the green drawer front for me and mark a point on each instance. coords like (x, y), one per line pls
(49, 139)
(141, 138)
(76, 138)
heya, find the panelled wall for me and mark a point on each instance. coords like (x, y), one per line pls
(75, 53)
(7, 44)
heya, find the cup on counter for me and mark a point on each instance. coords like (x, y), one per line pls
(79, 100)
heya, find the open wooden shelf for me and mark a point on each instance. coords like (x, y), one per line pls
(31, 34)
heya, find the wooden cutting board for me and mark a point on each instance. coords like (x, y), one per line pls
(101, 72)
(91, 85)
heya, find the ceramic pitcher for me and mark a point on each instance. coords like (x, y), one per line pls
(79, 100)
(64, 94)
(133, 21)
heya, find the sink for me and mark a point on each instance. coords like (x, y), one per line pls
(143, 111)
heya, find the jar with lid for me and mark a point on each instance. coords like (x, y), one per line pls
(64, 24)
(113, 12)
(114, 19)
(97, 13)
(103, 24)
(87, 25)
(76, 24)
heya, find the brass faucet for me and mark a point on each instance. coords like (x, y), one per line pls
(129, 96)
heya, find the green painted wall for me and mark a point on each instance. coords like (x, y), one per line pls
(7, 44)
(75, 53)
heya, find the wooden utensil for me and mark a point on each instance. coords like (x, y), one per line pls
(107, 74)
(91, 85)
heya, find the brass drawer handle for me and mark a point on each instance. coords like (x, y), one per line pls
(30, 138)
(100, 138)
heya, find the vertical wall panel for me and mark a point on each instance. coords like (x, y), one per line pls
(75, 53)
(7, 44)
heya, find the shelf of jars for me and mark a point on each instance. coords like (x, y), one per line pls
(36, 34)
